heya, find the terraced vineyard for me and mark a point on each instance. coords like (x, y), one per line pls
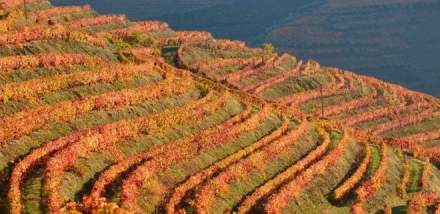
(100, 114)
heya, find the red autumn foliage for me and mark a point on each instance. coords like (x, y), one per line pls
(99, 20)
(107, 136)
(203, 175)
(278, 201)
(29, 119)
(49, 60)
(58, 11)
(183, 149)
(356, 177)
(420, 201)
(6, 4)
(244, 167)
(31, 88)
(187, 112)
(139, 27)
(43, 32)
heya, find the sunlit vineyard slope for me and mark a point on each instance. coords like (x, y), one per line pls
(99, 114)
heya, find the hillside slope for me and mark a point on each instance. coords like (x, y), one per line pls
(149, 8)
(394, 40)
(380, 38)
(99, 114)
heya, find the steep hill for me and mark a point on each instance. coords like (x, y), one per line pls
(394, 40)
(148, 8)
(380, 38)
(99, 114)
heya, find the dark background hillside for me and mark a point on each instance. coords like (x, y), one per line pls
(395, 40)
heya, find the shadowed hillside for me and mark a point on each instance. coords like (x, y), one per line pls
(394, 40)
(147, 8)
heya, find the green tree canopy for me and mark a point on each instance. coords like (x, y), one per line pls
(268, 48)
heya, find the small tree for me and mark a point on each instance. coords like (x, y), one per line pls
(268, 49)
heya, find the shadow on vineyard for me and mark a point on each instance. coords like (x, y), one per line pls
(100, 114)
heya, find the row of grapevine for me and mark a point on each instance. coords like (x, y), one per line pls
(251, 69)
(26, 121)
(405, 179)
(263, 67)
(279, 200)
(108, 135)
(353, 104)
(49, 60)
(42, 32)
(416, 149)
(99, 20)
(122, 127)
(143, 54)
(25, 165)
(184, 149)
(401, 122)
(345, 107)
(258, 87)
(196, 179)
(422, 137)
(218, 47)
(269, 64)
(139, 27)
(244, 167)
(230, 44)
(369, 187)
(182, 37)
(251, 200)
(382, 112)
(218, 64)
(96, 139)
(31, 88)
(41, 15)
(337, 82)
(356, 177)
(425, 179)
(187, 114)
